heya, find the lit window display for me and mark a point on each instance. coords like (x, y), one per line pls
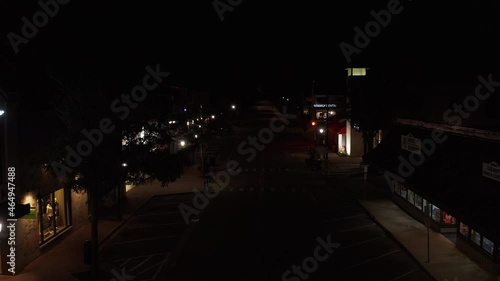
(436, 213)
(448, 219)
(411, 197)
(488, 245)
(52, 214)
(404, 191)
(475, 237)
(418, 202)
(464, 229)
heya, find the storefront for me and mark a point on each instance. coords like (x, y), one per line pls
(421, 208)
(455, 183)
(53, 214)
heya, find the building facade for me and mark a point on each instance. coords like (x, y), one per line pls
(447, 177)
(55, 210)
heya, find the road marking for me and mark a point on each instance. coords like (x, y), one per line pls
(404, 274)
(363, 242)
(373, 259)
(145, 239)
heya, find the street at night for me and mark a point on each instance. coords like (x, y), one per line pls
(249, 140)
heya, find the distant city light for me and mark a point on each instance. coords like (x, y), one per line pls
(183, 143)
(213, 116)
(195, 136)
(124, 164)
(233, 106)
(321, 131)
(1, 112)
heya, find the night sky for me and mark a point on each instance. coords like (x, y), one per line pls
(280, 47)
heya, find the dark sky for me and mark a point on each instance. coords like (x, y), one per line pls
(280, 46)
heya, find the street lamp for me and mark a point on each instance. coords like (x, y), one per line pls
(213, 116)
(1, 112)
(233, 106)
(183, 143)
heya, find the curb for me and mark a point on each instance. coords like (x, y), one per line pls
(389, 234)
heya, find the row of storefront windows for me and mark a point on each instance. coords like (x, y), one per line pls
(446, 219)
(478, 239)
(424, 206)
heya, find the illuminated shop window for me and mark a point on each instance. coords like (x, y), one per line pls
(464, 229)
(418, 202)
(448, 219)
(475, 237)
(411, 197)
(488, 245)
(436, 213)
(53, 217)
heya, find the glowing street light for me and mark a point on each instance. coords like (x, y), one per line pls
(213, 116)
(321, 131)
(1, 112)
(233, 106)
(124, 165)
(183, 143)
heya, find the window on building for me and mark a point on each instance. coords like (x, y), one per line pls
(464, 230)
(488, 245)
(475, 237)
(448, 219)
(426, 207)
(436, 213)
(356, 71)
(53, 216)
(418, 202)
(397, 189)
(404, 191)
(411, 197)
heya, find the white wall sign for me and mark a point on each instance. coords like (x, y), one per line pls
(491, 170)
(324, 105)
(411, 143)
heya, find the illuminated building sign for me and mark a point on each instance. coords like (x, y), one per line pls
(324, 105)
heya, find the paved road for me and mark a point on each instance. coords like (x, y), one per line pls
(142, 247)
(275, 220)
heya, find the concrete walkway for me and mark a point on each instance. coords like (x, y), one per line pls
(60, 262)
(446, 261)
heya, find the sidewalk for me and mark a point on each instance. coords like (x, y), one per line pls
(446, 261)
(59, 263)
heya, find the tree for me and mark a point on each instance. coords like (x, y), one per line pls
(96, 133)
